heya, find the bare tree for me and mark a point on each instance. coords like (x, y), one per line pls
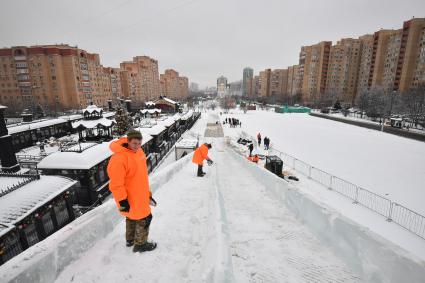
(414, 102)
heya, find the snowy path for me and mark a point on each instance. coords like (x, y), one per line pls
(222, 226)
(267, 243)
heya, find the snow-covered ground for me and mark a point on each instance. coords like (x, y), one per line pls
(239, 223)
(386, 164)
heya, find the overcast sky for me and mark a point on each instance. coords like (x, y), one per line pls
(201, 39)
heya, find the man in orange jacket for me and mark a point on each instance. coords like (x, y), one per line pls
(129, 184)
(201, 153)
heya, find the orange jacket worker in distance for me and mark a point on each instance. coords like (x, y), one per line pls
(129, 184)
(254, 158)
(201, 154)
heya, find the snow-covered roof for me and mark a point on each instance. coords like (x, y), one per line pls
(92, 108)
(34, 125)
(187, 143)
(168, 122)
(167, 100)
(153, 130)
(150, 111)
(72, 117)
(176, 117)
(90, 124)
(108, 114)
(187, 115)
(77, 160)
(21, 202)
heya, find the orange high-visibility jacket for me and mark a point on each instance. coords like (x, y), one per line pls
(253, 158)
(201, 153)
(128, 174)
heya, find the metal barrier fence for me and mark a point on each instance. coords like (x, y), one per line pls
(394, 212)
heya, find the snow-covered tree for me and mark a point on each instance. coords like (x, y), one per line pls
(123, 121)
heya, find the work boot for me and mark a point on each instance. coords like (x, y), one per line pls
(146, 247)
(129, 243)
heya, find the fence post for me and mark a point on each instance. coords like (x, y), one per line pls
(309, 172)
(356, 198)
(330, 182)
(390, 212)
(293, 163)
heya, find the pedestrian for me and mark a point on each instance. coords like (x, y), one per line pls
(201, 154)
(259, 139)
(251, 148)
(129, 185)
(266, 143)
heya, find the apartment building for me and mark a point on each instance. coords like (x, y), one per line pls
(254, 87)
(56, 77)
(247, 75)
(411, 60)
(294, 86)
(148, 69)
(279, 84)
(365, 63)
(313, 62)
(344, 62)
(174, 86)
(264, 82)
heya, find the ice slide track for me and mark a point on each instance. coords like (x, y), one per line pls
(266, 242)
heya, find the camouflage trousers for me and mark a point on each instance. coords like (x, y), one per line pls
(137, 230)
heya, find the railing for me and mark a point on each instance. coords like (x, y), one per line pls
(392, 211)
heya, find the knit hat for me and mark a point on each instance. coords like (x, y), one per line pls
(134, 134)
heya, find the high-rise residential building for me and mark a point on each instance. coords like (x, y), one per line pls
(390, 61)
(114, 77)
(411, 61)
(55, 77)
(313, 62)
(221, 86)
(174, 86)
(148, 68)
(265, 83)
(279, 84)
(365, 63)
(344, 60)
(294, 81)
(141, 79)
(255, 87)
(131, 81)
(381, 39)
(248, 73)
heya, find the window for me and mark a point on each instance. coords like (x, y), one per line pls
(31, 234)
(61, 213)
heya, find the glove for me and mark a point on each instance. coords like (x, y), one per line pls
(210, 162)
(124, 206)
